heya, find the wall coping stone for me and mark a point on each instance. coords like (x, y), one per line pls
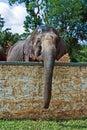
(41, 64)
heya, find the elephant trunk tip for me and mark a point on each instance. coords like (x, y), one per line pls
(46, 106)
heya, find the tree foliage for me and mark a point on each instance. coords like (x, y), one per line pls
(33, 9)
(83, 54)
(69, 17)
(6, 36)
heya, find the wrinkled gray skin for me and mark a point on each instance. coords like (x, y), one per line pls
(43, 45)
(16, 52)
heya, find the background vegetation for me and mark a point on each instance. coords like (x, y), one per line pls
(69, 17)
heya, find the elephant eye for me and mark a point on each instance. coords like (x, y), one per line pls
(38, 43)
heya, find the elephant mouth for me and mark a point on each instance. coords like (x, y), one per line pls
(32, 58)
(39, 59)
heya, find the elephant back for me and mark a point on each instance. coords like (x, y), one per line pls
(15, 53)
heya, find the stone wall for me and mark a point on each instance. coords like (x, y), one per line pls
(21, 91)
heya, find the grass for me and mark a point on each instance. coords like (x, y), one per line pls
(79, 124)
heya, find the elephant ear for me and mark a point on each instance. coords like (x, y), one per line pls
(27, 49)
(61, 48)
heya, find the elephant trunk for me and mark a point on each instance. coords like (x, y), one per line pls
(49, 58)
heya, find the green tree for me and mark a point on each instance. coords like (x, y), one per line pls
(1, 23)
(6, 36)
(33, 9)
(68, 17)
(83, 54)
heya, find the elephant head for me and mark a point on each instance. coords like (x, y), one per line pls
(45, 45)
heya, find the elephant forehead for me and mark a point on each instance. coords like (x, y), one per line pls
(49, 37)
(48, 43)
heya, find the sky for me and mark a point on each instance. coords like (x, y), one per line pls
(14, 16)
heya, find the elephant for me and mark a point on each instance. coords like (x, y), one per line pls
(44, 45)
(2, 54)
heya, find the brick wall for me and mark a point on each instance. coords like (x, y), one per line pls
(21, 91)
